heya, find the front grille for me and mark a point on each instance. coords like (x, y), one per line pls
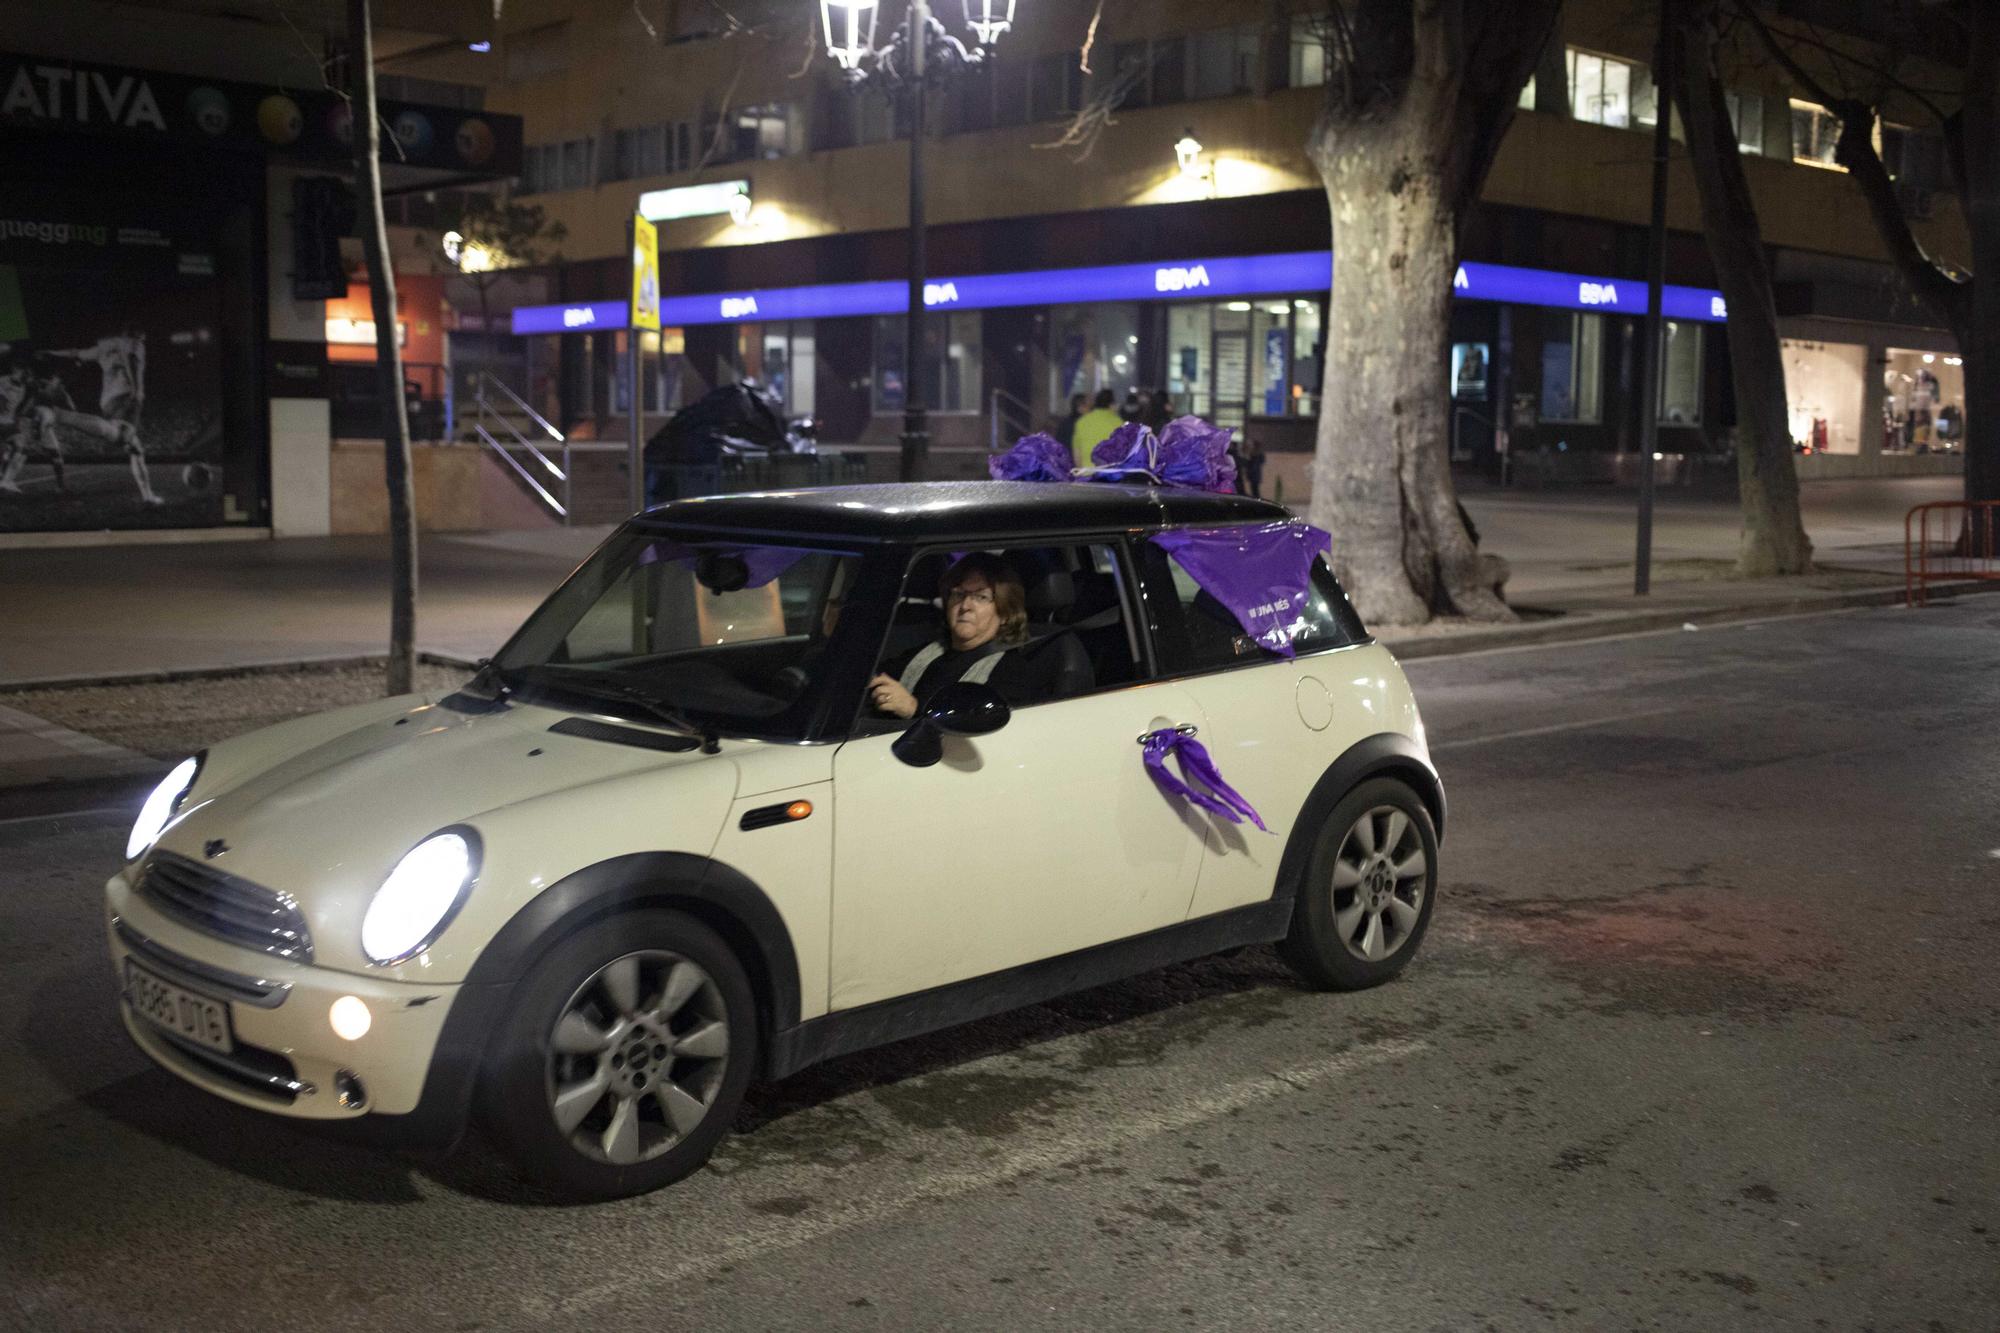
(251, 1068)
(220, 904)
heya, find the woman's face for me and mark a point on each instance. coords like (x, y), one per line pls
(969, 612)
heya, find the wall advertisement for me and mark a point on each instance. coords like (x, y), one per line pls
(110, 368)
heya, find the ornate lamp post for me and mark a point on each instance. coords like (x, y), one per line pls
(920, 55)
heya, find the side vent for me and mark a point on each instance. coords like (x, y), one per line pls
(592, 730)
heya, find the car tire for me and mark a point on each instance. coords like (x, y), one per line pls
(1370, 884)
(623, 1057)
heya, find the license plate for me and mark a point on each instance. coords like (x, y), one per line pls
(193, 1017)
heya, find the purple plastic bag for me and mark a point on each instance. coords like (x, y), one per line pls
(1187, 452)
(1261, 572)
(1220, 799)
(1037, 457)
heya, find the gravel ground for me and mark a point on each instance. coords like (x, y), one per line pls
(169, 719)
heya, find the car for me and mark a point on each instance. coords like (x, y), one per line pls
(666, 842)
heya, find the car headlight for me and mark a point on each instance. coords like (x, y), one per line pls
(159, 808)
(418, 899)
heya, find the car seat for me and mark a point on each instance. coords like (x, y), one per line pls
(1050, 597)
(1097, 617)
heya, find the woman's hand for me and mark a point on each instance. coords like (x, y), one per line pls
(887, 693)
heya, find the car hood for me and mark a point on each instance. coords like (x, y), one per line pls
(324, 816)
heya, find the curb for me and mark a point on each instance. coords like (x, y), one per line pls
(1575, 626)
(273, 667)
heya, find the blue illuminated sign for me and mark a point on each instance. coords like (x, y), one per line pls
(1238, 275)
(576, 318)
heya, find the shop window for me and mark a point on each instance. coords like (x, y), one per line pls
(1308, 356)
(953, 362)
(1188, 357)
(1092, 347)
(1815, 132)
(1680, 373)
(1600, 88)
(1572, 369)
(1823, 394)
(1222, 62)
(1308, 55)
(781, 357)
(1923, 402)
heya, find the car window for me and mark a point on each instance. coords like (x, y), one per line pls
(1065, 611)
(1193, 631)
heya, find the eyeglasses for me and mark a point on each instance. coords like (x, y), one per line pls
(976, 596)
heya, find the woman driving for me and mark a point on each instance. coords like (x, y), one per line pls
(986, 618)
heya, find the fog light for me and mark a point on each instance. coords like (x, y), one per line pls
(348, 1090)
(350, 1018)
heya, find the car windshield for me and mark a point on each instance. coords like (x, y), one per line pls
(698, 632)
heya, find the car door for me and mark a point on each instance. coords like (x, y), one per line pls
(1036, 840)
(1271, 724)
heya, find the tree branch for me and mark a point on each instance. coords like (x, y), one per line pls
(1855, 150)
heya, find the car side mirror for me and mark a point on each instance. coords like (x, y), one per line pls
(959, 709)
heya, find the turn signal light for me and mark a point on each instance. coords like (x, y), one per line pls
(798, 809)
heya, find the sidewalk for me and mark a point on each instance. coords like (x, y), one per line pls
(124, 613)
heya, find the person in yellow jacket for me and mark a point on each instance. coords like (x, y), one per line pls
(1094, 426)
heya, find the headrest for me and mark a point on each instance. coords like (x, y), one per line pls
(1049, 593)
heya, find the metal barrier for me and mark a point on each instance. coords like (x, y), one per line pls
(1949, 541)
(1008, 414)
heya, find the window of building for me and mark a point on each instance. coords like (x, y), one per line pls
(1055, 86)
(1680, 373)
(536, 53)
(781, 356)
(1815, 132)
(968, 100)
(578, 156)
(1600, 88)
(1093, 347)
(644, 151)
(1308, 56)
(953, 362)
(1222, 62)
(541, 168)
(753, 132)
(1572, 369)
(1746, 113)
(1914, 158)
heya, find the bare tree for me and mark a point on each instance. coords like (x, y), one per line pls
(1774, 538)
(1418, 96)
(497, 234)
(388, 356)
(1967, 32)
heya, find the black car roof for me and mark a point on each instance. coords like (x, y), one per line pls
(935, 510)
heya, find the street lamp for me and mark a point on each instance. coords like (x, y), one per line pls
(920, 55)
(1188, 153)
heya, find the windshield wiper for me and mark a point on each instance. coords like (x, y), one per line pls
(489, 684)
(613, 691)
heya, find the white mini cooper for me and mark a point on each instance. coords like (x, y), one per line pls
(771, 779)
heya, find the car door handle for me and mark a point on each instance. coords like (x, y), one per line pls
(1183, 729)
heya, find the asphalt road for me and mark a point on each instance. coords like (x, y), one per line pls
(1704, 1036)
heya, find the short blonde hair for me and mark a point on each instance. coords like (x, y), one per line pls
(1010, 598)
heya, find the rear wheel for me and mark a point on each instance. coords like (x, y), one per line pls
(1368, 891)
(624, 1057)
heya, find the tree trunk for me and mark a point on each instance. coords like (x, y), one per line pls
(1381, 476)
(388, 356)
(1774, 538)
(1980, 127)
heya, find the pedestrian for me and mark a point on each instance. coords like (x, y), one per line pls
(1094, 426)
(1133, 408)
(1162, 413)
(1066, 428)
(1253, 468)
(1240, 466)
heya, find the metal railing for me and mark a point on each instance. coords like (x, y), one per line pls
(489, 417)
(1949, 541)
(1017, 420)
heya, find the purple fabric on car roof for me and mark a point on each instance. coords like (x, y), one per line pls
(1187, 452)
(1262, 572)
(1036, 457)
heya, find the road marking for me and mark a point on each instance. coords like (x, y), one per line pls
(1095, 1133)
(1552, 728)
(67, 814)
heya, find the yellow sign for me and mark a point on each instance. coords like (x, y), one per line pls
(645, 274)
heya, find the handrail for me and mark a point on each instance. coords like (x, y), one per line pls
(486, 377)
(561, 511)
(994, 399)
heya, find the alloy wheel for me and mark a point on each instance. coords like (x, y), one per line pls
(1379, 876)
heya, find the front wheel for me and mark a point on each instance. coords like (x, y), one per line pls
(1368, 889)
(623, 1058)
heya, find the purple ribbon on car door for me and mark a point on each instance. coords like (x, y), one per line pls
(1220, 798)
